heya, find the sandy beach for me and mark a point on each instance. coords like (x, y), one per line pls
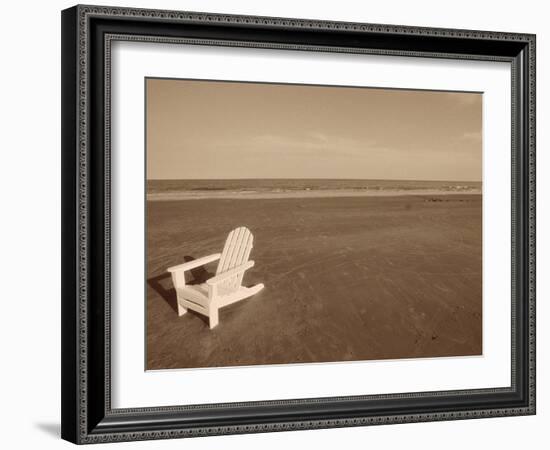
(346, 278)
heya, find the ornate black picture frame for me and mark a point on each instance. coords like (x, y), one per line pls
(87, 34)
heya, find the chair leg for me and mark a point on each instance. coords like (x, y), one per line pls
(213, 316)
(181, 310)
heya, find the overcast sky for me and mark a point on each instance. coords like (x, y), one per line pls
(204, 129)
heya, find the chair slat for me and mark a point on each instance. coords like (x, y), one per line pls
(227, 251)
(236, 251)
(242, 257)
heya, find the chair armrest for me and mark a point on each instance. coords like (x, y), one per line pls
(230, 273)
(195, 263)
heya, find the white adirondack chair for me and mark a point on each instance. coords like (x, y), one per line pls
(225, 287)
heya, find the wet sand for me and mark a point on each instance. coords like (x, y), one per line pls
(328, 193)
(347, 278)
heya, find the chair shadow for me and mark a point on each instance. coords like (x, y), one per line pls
(168, 294)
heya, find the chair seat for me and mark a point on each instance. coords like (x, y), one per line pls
(198, 293)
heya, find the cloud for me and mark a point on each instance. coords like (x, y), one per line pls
(312, 143)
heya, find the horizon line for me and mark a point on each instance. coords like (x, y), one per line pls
(311, 178)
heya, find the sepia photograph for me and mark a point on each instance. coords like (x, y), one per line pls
(293, 223)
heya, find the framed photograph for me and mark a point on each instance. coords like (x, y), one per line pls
(277, 224)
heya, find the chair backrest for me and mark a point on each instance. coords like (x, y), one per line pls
(236, 251)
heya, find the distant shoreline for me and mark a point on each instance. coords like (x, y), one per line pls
(325, 193)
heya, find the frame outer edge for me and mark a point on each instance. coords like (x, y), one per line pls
(69, 264)
(532, 143)
(296, 23)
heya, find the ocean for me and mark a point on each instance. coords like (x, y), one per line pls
(281, 186)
